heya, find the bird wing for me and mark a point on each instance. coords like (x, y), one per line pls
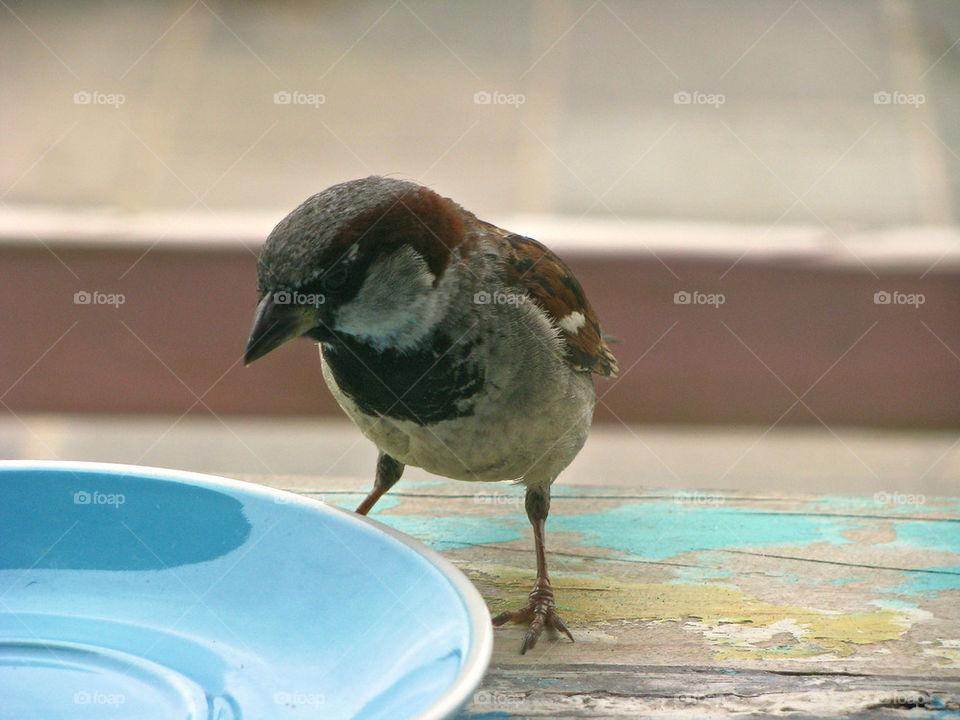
(548, 281)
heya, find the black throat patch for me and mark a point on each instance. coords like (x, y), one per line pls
(427, 386)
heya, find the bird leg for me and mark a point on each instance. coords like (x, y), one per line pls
(388, 472)
(541, 611)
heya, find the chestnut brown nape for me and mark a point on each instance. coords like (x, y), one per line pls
(417, 217)
(353, 222)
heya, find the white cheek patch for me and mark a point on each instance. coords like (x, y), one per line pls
(397, 304)
(573, 322)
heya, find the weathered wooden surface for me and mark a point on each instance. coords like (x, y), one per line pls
(703, 604)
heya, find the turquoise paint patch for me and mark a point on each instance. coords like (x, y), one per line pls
(940, 705)
(442, 533)
(687, 575)
(893, 604)
(944, 536)
(920, 583)
(886, 503)
(454, 533)
(779, 650)
(660, 530)
(789, 577)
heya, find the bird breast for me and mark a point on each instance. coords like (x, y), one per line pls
(492, 404)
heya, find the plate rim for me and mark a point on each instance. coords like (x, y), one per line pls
(477, 660)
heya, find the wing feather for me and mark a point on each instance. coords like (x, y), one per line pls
(548, 281)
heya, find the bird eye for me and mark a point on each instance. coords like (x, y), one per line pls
(334, 279)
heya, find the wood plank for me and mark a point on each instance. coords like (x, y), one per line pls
(702, 603)
(604, 691)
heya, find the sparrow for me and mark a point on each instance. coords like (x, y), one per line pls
(454, 345)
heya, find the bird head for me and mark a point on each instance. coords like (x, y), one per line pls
(363, 258)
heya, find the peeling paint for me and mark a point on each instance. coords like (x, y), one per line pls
(456, 531)
(661, 530)
(684, 575)
(942, 536)
(733, 621)
(925, 583)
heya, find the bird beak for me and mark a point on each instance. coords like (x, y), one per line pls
(274, 324)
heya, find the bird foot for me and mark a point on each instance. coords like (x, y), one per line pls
(540, 612)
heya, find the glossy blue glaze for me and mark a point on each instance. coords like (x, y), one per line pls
(144, 593)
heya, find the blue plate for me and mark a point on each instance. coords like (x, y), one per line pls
(144, 593)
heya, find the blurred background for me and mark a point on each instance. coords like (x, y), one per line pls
(759, 197)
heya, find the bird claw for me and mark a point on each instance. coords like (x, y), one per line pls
(540, 612)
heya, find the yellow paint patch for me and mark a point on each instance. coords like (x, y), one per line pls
(947, 654)
(728, 618)
(835, 632)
